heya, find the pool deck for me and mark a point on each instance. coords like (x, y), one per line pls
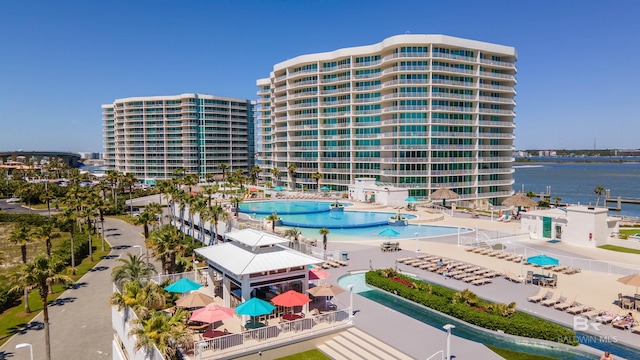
(596, 289)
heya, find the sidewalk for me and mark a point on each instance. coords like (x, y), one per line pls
(80, 319)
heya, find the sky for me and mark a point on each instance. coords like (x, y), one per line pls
(578, 60)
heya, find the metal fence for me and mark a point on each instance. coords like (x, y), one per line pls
(231, 345)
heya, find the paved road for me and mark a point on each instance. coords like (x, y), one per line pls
(81, 318)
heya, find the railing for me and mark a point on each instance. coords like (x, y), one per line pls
(441, 352)
(251, 340)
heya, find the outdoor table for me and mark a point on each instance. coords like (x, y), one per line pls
(210, 334)
(254, 324)
(291, 317)
(541, 279)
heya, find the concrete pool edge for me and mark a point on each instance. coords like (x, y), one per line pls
(581, 349)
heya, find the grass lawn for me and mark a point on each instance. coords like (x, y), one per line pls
(314, 354)
(125, 218)
(14, 319)
(514, 355)
(619, 249)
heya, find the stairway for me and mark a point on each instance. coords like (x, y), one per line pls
(353, 344)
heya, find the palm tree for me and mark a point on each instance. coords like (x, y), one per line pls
(557, 200)
(47, 231)
(317, 176)
(599, 190)
(41, 274)
(155, 209)
(235, 201)
(166, 244)
(113, 177)
(199, 207)
(143, 299)
(224, 168)
(210, 191)
(275, 172)
(190, 180)
(129, 180)
(216, 213)
(69, 217)
(324, 232)
(20, 236)
(132, 269)
(273, 218)
(167, 333)
(292, 168)
(255, 173)
(145, 219)
(294, 234)
(531, 194)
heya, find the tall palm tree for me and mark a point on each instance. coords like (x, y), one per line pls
(166, 332)
(317, 176)
(275, 172)
(599, 190)
(224, 168)
(166, 243)
(69, 218)
(142, 298)
(210, 191)
(294, 234)
(217, 213)
(324, 232)
(190, 180)
(20, 236)
(235, 201)
(129, 180)
(292, 168)
(113, 177)
(41, 274)
(199, 207)
(255, 173)
(145, 219)
(155, 209)
(133, 268)
(46, 232)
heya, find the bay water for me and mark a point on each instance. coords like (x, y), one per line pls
(575, 182)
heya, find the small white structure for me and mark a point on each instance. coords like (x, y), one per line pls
(366, 190)
(579, 225)
(255, 260)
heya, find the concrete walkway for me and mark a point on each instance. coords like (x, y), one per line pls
(80, 318)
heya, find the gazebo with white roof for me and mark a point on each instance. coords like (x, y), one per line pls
(254, 259)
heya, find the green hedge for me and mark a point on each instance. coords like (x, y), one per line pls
(440, 299)
(27, 219)
(8, 299)
(80, 246)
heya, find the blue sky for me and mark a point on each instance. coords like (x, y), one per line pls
(578, 70)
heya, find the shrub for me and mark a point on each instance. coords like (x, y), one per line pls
(27, 219)
(500, 318)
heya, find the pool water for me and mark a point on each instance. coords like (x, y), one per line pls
(286, 207)
(462, 330)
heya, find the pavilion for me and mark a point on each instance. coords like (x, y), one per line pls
(258, 263)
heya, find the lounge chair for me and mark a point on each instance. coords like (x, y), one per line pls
(605, 317)
(554, 299)
(571, 271)
(624, 324)
(481, 281)
(511, 277)
(567, 303)
(635, 329)
(592, 313)
(542, 294)
(575, 310)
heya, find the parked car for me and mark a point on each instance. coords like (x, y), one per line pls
(13, 200)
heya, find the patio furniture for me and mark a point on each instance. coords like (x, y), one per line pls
(542, 294)
(567, 303)
(529, 278)
(575, 310)
(625, 302)
(555, 298)
(511, 277)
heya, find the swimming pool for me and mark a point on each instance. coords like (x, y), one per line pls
(285, 207)
(462, 330)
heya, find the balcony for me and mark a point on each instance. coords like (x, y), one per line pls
(453, 108)
(498, 63)
(452, 160)
(335, 68)
(508, 124)
(406, 82)
(496, 171)
(302, 83)
(336, 91)
(451, 69)
(453, 83)
(497, 87)
(302, 94)
(367, 64)
(413, 55)
(497, 111)
(441, 95)
(497, 75)
(454, 57)
(497, 159)
(336, 79)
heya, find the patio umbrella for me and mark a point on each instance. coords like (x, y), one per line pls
(278, 188)
(194, 299)
(253, 189)
(411, 199)
(325, 188)
(212, 313)
(633, 280)
(291, 298)
(542, 260)
(254, 307)
(183, 285)
(318, 274)
(388, 232)
(326, 290)
(444, 194)
(520, 200)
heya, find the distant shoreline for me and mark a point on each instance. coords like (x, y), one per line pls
(566, 160)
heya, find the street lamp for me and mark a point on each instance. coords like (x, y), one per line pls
(139, 249)
(24, 345)
(448, 327)
(350, 303)
(416, 234)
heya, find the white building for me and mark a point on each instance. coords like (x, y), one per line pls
(153, 136)
(415, 111)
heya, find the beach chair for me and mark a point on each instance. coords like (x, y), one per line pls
(517, 259)
(502, 255)
(591, 314)
(571, 271)
(469, 248)
(567, 303)
(492, 274)
(560, 268)
(554, 299)
(541, 295)
(578, 309)
(511, 277)
(481, 281)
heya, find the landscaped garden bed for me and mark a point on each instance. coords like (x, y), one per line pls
(466, 306)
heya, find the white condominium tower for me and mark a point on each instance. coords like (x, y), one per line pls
(414, 111)
(154, 136)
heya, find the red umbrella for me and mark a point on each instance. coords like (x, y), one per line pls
(211, 314)
(318, 274)
(253, 189)
(291, 298)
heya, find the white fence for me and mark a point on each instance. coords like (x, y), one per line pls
(229, 346)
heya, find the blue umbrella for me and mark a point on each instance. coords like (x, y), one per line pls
(183, 285)
(411, 199)
(542, 260)
(254, 307)
(388, 232)
(278, 188)
(325, 188)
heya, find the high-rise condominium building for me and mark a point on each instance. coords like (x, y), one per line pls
(414, 111)
(154, 136)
